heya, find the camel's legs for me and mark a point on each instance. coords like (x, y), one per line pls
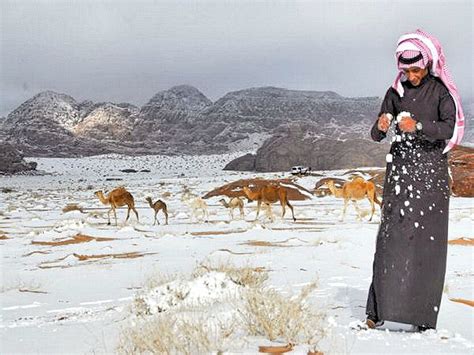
(231, 212)
(258, 208)
(292, 212)
(115, 215)
(270, 212)
(344, 209)
(108, 215)
(282, 203)
(156, 219)
(128, 215)
(241, 208)
(373, 207)
(357, 209)
(166, 215)
(136, 213)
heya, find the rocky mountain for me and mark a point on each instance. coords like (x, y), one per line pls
(43, 125)
(107, 122)
(182, 120)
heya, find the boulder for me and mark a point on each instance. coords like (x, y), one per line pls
(12, 161)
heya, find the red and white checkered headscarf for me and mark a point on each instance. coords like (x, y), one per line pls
(419, 49)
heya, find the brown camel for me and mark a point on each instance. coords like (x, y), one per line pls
(356, 189)
(269, 194)
(157, 207)
(116, 198)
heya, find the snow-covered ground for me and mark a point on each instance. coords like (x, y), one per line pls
(56, 300)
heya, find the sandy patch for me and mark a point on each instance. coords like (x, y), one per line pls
(463, 301)
(130, 255)
(218, 232)
(263, 243)
(462, 241)
(275, 349)
(78, 238)
(233, 252)
(3, 237)
(38, 252)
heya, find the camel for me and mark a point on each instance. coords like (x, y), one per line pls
(269, 194)
(157, 207)
(234, 202)
(116, 198)
(197, 204)
(356, 189)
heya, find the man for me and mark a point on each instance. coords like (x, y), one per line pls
(409, 265)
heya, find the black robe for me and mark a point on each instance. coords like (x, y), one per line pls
(410, 258)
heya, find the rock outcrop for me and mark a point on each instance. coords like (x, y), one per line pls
(12, 161)
(461, 163)
(300, 144)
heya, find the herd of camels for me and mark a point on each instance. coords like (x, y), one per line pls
(353, 190)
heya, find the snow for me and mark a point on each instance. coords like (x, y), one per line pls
(52, 301)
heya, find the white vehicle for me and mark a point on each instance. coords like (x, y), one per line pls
(300, 170)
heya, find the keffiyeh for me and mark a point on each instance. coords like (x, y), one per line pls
(419, 49)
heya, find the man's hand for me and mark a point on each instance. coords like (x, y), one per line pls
(407, 124)
(383, 123)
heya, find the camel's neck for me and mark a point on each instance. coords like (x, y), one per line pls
(335, 191)
(225, 204)
(102, 198)
(150, 202)
(252, 195)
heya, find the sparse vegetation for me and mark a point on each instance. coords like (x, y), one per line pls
(72, 207)
(270, 314)
(227, 324)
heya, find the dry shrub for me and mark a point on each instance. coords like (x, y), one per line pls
(203, 328)
(175, 334)
(247, 276)
(166, 194)
(270, 314)
(72, 207)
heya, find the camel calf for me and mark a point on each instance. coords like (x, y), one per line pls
(234, 202)
(157, 207)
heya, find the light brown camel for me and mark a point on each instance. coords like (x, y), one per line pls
(234, 202)
(157, 207)
(269, 194)
(116, 198)
(356, 189)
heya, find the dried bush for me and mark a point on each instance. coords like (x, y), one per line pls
(175, 333)
(72, 207)
(247, 276)
(224, 326)
(270, 314)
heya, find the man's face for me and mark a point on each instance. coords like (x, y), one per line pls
(415, 74)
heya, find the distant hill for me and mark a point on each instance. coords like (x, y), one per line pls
(182, 120)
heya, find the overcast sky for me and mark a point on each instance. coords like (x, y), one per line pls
(126, 51)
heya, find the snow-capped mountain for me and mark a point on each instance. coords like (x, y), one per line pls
(47, 107)
(181, 120)
(107, 121)
(174, 104)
